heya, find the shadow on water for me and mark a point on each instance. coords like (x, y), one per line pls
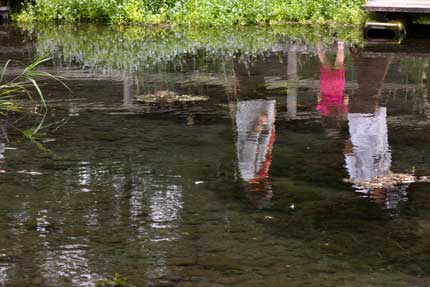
(269, 157)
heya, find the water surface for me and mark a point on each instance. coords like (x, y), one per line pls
(238, 158)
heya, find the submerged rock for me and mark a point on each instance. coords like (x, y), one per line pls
(220, 262)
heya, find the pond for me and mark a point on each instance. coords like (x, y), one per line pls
(289, 156)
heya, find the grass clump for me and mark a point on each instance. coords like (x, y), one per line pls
(195, 12)
(13, 90)
(116, 281)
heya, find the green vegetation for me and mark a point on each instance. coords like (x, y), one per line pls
(17, 95)
(195, 12)
(116, 281)
(13, 90)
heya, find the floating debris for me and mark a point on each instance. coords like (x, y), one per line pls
(389, 181)
(30, 172)
(169, 97)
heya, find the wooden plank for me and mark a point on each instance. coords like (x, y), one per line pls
(398, 6)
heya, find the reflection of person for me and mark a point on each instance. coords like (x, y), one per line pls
(367, 153)
(332, 83)
(255, 123)
(332, 101)
(370, 155)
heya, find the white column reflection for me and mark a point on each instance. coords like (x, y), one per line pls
(85, 177)
(165, 204)
(4, 275)
(67, 263)
(64, 260)
(155, 206)
(292, 90)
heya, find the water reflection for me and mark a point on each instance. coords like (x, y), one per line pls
(255, 127)
(4, 270)
(367, 152)
(332, 101)
(132, 203)
(67, 263)
(255, 124)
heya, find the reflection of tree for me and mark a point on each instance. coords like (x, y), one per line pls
(371, 72)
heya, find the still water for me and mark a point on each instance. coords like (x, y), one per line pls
(250, 157)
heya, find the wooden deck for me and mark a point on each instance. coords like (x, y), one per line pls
(398, 6)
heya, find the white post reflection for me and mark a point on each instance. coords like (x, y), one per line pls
(2, 150)
(4, 276)
(127, 90)
(292, 75)
(67, 263)
(165, 205)
(154, 207)
(85, 176)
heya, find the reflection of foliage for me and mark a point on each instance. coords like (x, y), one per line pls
(138, 47)
(324, 33)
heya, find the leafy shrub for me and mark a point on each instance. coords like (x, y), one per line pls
(195, 12)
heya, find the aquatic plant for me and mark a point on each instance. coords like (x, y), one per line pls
(169, 97)
(195, 12)
(21, 85)
(24, 86)
(116, 281)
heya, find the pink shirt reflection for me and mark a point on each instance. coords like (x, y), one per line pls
(332, 86)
